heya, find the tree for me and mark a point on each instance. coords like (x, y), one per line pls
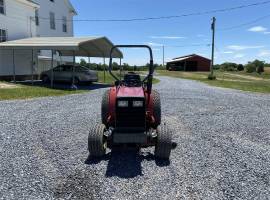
(250, 67)
(83, 62)
(240, 67)
(259, 66)
(227, 66)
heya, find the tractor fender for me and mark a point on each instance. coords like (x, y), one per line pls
(149, 108)
(112, 103)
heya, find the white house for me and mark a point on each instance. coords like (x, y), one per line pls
(32, 18)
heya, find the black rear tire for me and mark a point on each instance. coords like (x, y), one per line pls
(105, 107)
(164, 143)
(156, 108)
(96, 143)
(45, 79)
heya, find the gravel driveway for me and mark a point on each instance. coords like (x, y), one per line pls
(222, 136)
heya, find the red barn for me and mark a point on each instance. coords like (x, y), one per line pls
(189, 63)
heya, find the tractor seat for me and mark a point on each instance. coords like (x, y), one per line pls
(132, 80)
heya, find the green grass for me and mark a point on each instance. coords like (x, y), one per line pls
(235, 80)
(27, 92)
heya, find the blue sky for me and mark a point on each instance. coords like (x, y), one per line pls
(238, 45)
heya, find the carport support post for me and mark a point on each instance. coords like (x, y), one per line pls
(52, 70)
(73, 87)
(104, 75)
(32, 68)
(14, 67)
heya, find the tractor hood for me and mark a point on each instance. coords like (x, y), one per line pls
(130, 92)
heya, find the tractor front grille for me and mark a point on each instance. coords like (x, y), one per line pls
(130, 118)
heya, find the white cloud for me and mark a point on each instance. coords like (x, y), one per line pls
(257, 29)
(153, 44)
(242, 47)
(264, 53)
(239, 55)
(168, 37)
(266, 32)
(227, 52)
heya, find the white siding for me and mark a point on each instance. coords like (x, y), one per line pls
(60, 9)
(17, 20)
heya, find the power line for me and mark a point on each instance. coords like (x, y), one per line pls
(169, 17)
(244, 24)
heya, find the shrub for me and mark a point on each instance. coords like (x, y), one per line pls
(228, 66)
(250, 68)
(240, 67)
(212, 77)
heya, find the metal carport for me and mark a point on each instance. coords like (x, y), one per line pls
(66, 46)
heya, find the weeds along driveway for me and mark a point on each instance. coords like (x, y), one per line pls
(222, 136)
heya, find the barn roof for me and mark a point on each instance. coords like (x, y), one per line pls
(183, 58)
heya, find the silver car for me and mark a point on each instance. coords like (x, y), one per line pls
(63, 73)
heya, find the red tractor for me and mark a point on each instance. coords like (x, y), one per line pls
(131, 115)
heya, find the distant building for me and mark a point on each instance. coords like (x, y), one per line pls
(32, 18)
(191, 63)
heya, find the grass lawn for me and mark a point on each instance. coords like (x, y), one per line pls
(235, 80)
(26, 92)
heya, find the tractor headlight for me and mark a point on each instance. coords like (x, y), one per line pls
(123, 104)
(137, 104)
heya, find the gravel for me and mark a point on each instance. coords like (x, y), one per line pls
(222, 136)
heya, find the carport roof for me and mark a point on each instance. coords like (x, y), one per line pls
(81, 46)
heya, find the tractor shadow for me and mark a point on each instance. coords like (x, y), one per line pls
(126, 164)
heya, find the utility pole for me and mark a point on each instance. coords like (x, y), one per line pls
(213, 27)
(163, 50)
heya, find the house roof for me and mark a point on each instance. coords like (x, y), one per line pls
(182, 58)
(29, 3)
(72, 9)
(81, 46)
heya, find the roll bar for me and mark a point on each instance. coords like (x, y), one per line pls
(149, 77)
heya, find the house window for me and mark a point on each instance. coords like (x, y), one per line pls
(52, 20)
(37, 17)
(3, 35)
(2, 7)
(65, 24)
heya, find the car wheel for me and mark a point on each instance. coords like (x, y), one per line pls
(45, 79)
(164, 142)
(76, 81)
(96, 142)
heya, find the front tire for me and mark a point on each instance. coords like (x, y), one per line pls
(96, 142)
(156, 108)
(164, 143)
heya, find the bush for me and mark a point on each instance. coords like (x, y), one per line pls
(212, 77)
(240, 67)
(250, 68)
(228, 66)
(255, 66)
